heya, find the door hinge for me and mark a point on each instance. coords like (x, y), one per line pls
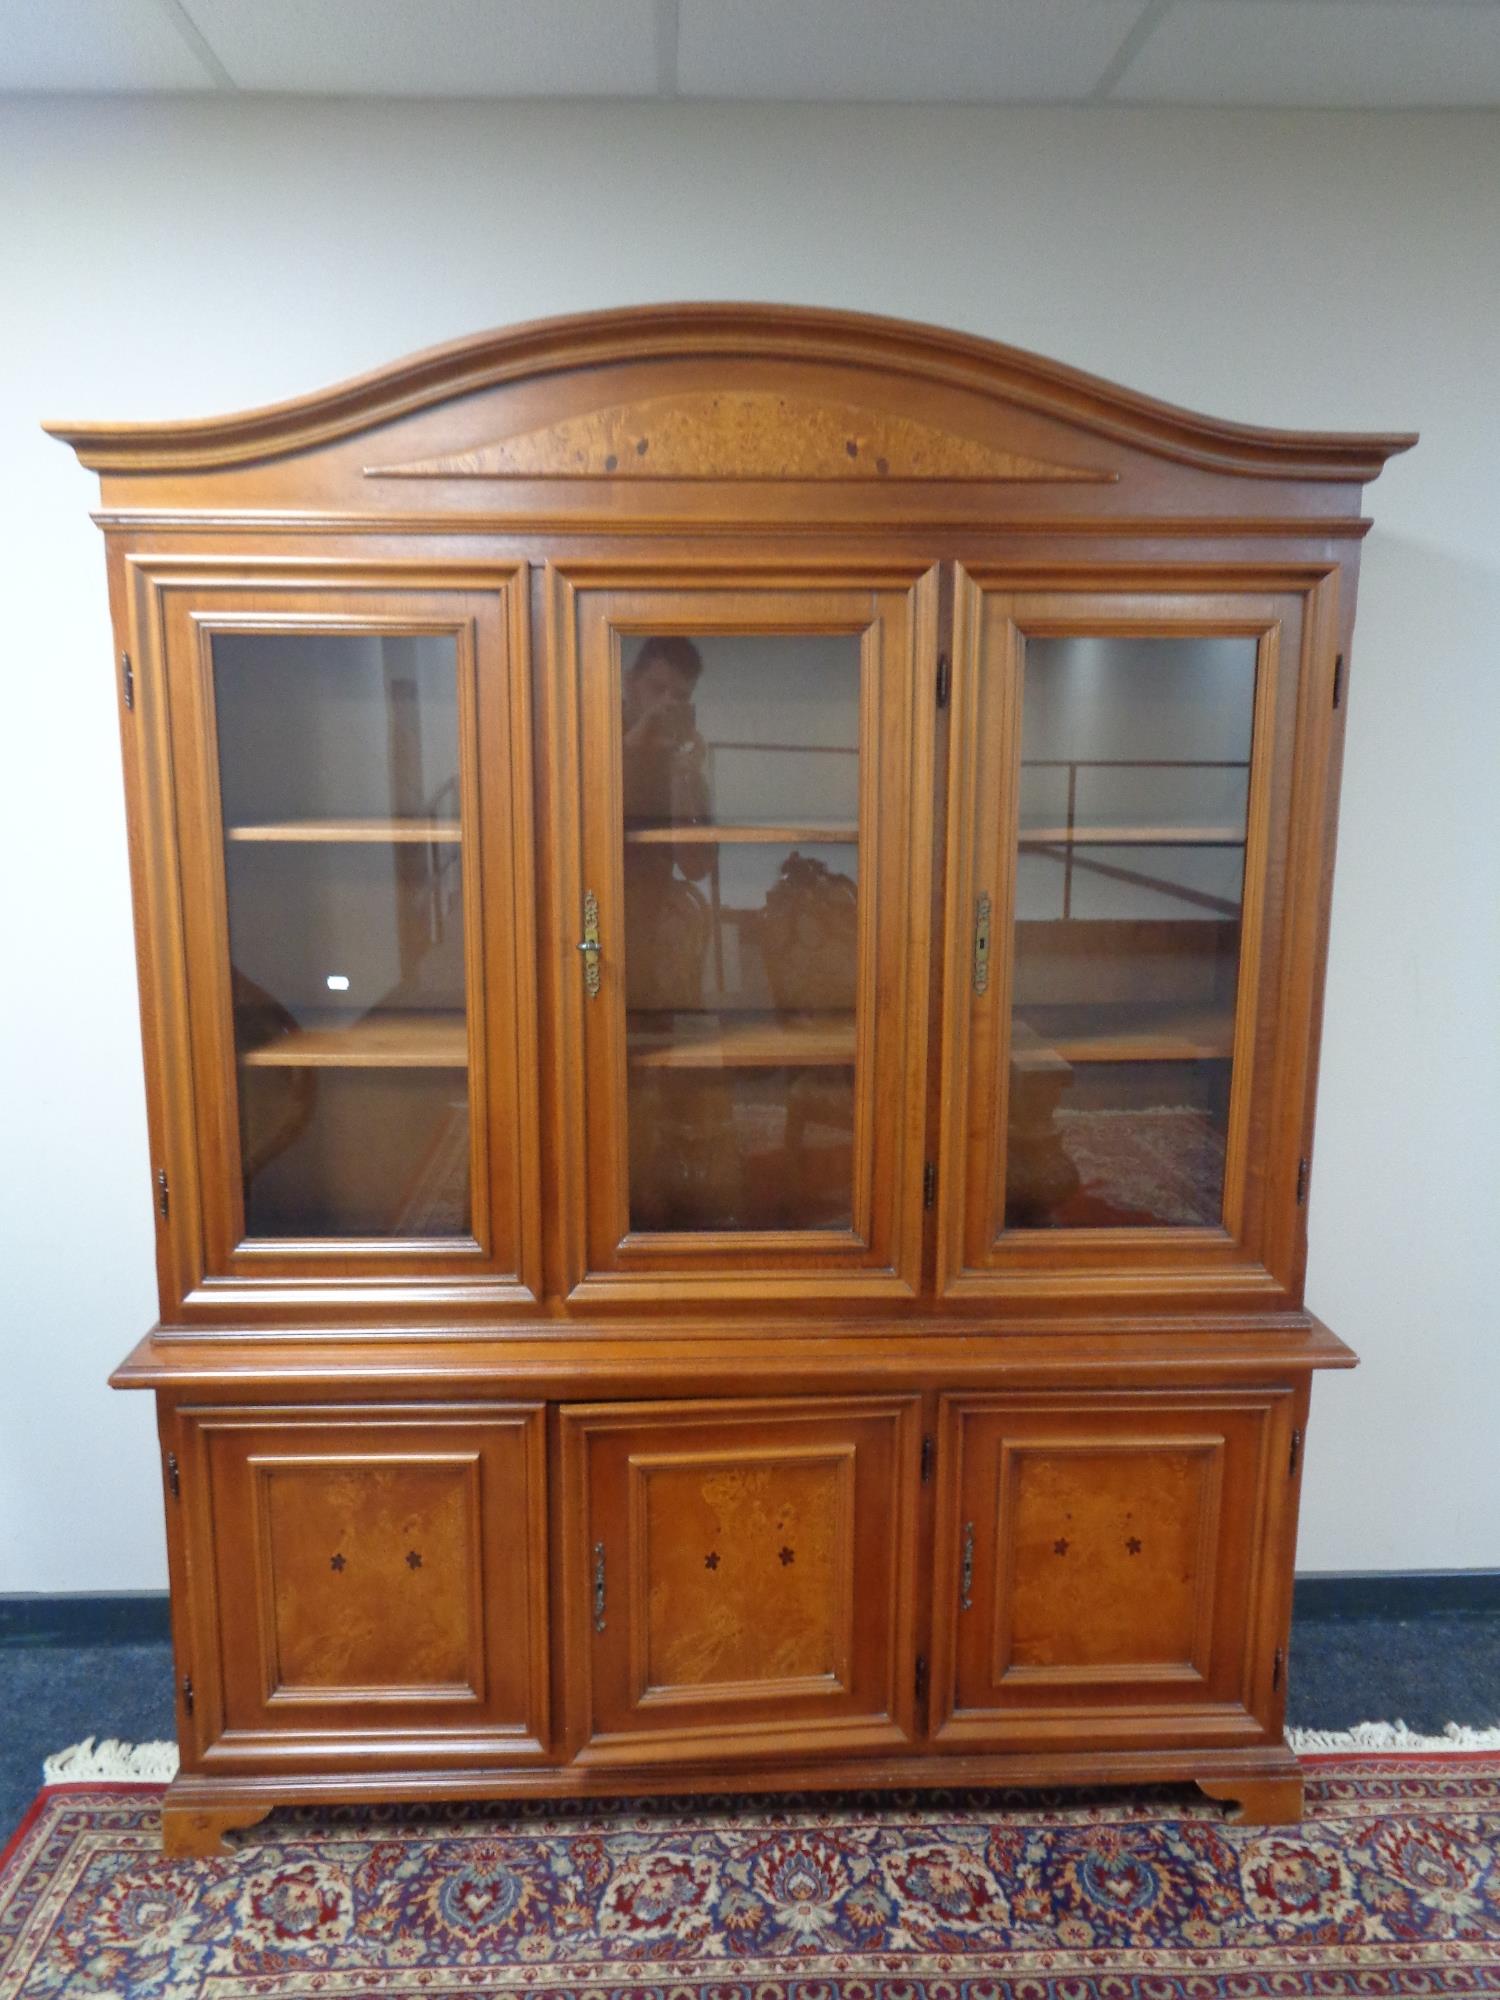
(174, 1476)
(1338, 680)
(944, 680)
(1303, 1169)
(187, 1692)
(1277, 1667)
(163, 1194)
(921, 1675)
(1295, 1453)
(127, 680)
(929, 1453)
(929, 1185)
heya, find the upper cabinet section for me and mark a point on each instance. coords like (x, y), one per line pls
(745, 416)
(728, 809)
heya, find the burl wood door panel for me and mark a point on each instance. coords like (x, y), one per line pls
(1111, 1569)
(739, 1576)
(370, 1584)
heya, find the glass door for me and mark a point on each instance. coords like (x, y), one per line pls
(354, 951)
(1122, 767)
(747, 988)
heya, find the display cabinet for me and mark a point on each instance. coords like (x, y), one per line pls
(731, 906)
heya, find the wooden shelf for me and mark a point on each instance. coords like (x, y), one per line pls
(1041, 1036)
(740, 1041)
(1132, 836)
(830, 831)
(378, 1041)
(350, 831)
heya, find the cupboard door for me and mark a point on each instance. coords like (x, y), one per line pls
(1111, 1569)
(368, 1583)
(739, 1577)
(358, 928)
(1134, 873)
(747, 886)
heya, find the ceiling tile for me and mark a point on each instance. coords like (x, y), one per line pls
(1319, 52)
(435, 48)
(987, 51)
(94, 45)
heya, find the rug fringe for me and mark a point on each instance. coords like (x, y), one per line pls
(1390, 1736)
(110, 1761)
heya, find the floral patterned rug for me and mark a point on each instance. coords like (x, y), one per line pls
(1391, 1886)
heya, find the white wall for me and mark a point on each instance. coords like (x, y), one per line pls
(174, 257)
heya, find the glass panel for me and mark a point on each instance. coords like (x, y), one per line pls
(741, 798)
(1135, 761)
(338, 769)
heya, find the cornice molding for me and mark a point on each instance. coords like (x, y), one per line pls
(1006, 375)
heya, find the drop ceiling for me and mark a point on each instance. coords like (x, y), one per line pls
(1324, 53)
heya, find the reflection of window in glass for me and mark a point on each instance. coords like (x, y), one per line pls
(1135, 760)
(740, 780)
(338, 766)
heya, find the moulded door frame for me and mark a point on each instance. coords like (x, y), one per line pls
(1252, 1257)
(179, 604)
(893, 605)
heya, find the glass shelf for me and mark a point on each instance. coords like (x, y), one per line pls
(1132, 836)
(349, 831)
(377, 1041)
(681, 1040)
(664, 834)
(1113, 1034)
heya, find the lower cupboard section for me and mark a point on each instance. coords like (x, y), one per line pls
(620, 1588)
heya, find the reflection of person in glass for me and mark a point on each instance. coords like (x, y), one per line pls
(664, 758)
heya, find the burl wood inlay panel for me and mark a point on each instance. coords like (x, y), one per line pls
(368, 1566)
(746, 1561)
(739, 1575)
(369, 1571)
(1106, 1554)
(743, 434)
(1102, 1564)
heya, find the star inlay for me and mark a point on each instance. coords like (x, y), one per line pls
(1061, 1546)
(785, 1556)
(335, 1562)
(711, 1560)
(413, 1560)
(1134, 1545)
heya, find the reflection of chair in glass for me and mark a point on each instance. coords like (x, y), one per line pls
(668, 925)
(435, 1199)
(276, 1105)
(810, 941)
(810, 936)
(1040, 1175)
(686, 1166)
(684, 1160)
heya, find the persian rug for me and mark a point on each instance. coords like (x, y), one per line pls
(1163, 1165)
(1391, 1886)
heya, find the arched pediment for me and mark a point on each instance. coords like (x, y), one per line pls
(736, 392)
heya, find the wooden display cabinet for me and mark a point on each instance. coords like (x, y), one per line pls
(731, 906)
